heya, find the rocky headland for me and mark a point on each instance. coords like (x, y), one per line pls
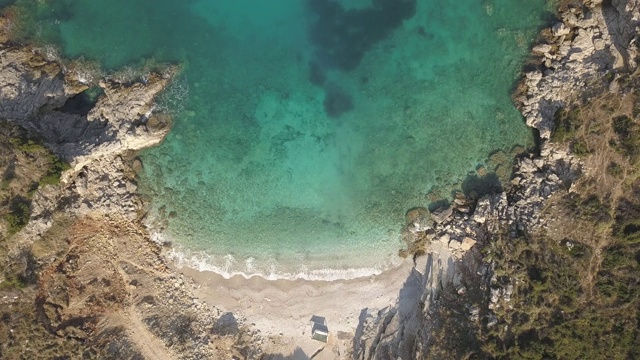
(83, 279)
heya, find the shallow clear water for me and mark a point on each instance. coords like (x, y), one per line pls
(310, 127)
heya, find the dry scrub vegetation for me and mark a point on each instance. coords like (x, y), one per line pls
(576, 284)
(571, 290)
(25, 167)
(95, 286)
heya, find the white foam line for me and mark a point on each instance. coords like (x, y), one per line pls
(204, 262)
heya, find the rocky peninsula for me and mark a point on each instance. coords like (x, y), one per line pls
(82, 278)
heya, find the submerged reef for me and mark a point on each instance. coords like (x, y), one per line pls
(337, 101)
(343, 36)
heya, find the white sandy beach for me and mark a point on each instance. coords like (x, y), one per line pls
(281, 309)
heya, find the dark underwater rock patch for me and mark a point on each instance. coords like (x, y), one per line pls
(337, 102)
(342, 37)
(316, 74)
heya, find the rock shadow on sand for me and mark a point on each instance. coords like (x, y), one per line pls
(298, 354)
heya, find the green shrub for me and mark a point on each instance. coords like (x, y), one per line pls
(627, 141)
(12, 282)
(52, 177)
(629, 232)
(575, 249)
(19, 214)
(580, 148)
(587, 207)
(636, 104)
(616, 257)
(27, 145)
(566, 124)
(622, 125)
(4, 184)
(614, 169)
(32, 189)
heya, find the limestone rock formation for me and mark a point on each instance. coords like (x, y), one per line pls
(580, 49)
(35, 91)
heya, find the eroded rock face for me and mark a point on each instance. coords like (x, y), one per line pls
(35, 90)
(29, 84)
(107, 129)
(35, 93)
(400, 331)
(580, 49)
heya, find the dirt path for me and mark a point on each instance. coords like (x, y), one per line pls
(148, 344)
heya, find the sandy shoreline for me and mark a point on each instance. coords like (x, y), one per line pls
(322, 268)
(281, 309)
(315, 264)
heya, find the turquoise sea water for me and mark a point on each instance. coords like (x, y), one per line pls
(305, 129)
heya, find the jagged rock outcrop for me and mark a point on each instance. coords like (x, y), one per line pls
(398, 332)
(588, 42)
(35, 91)
(534, 180)
(29, 84)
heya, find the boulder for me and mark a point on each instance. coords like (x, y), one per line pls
(444, 239)
(442, 214)
(467, 244)
(542, 49)
(560, 29)
(417, 219)
(136, 165)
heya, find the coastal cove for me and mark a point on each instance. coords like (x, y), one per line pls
(293, 154)
(84, 275)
